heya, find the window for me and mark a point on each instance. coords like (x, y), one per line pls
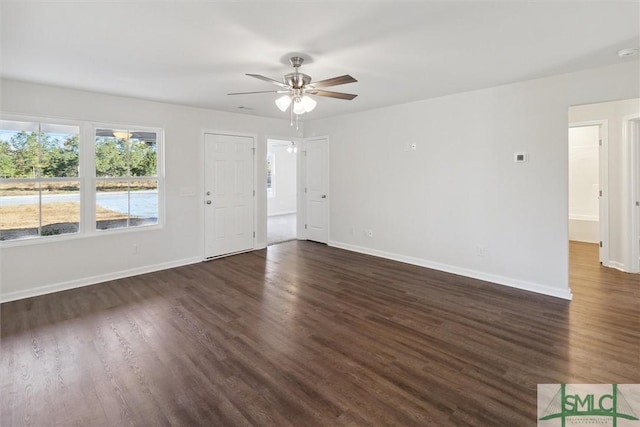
(271, 175)
(126, 177)
(48, 172)
(39, 179)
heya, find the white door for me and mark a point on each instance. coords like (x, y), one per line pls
(317, 189)
(229, 194)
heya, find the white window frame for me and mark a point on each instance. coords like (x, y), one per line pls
(271, 160)
(87, 179)
(159, 176)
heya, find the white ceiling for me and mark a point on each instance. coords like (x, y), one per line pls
(195, 52)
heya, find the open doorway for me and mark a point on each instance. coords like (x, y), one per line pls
(584, 182)
(618, 242)
(282, 194)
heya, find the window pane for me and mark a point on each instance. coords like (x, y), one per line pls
(19, 153)
(271, 173)
(143, 153)
(14, 143)
(112, 205)
(60, 155)
(31, 150)
(14, 126)
(144, 203)
(60, 208)
(111, 153)
(19, 210)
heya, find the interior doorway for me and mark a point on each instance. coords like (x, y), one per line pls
(282, 190)
(584, 182)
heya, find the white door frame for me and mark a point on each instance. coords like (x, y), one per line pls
(603, 178)
(202, 197)
(302, 201)
(631, 139)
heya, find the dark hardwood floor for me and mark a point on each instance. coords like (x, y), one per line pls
(306, 335)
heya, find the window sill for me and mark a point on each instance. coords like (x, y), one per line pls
(45, 240)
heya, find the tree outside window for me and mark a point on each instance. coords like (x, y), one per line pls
(126, 178)
(39, 179)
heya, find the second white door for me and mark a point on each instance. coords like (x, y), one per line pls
(317, 189)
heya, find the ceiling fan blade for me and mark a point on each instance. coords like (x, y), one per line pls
(335, 81)
(330, 94)
(260, 91)
(267, 79)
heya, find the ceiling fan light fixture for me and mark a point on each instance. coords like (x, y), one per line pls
(298, 107)
(308, 103)
(283, 102)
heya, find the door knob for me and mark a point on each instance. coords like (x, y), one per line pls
(208, 193)
(324, 196)
(208, 202)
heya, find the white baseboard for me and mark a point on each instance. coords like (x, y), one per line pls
(93, 280)
(501, 280)
(281, 213)
(617, 265)
(590, 218)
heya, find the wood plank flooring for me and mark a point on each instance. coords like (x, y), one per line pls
(302, 334)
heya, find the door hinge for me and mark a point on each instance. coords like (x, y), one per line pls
(254, 234)
(600, 193)
(254, 193)
(254, 150)
(305, 226)
(600, 243)
(600, 142)
(305, 189)
(637, 203)
(304, 152)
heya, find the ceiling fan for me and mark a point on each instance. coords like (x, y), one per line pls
(297, 87)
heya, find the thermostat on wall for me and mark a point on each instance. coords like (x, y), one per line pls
(520, 157)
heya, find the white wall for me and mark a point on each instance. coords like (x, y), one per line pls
(459, 203)
(619, 174)
(285, 195)
(31, 269)
(584, 184)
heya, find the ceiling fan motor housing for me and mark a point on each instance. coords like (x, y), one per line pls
(297, 80)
